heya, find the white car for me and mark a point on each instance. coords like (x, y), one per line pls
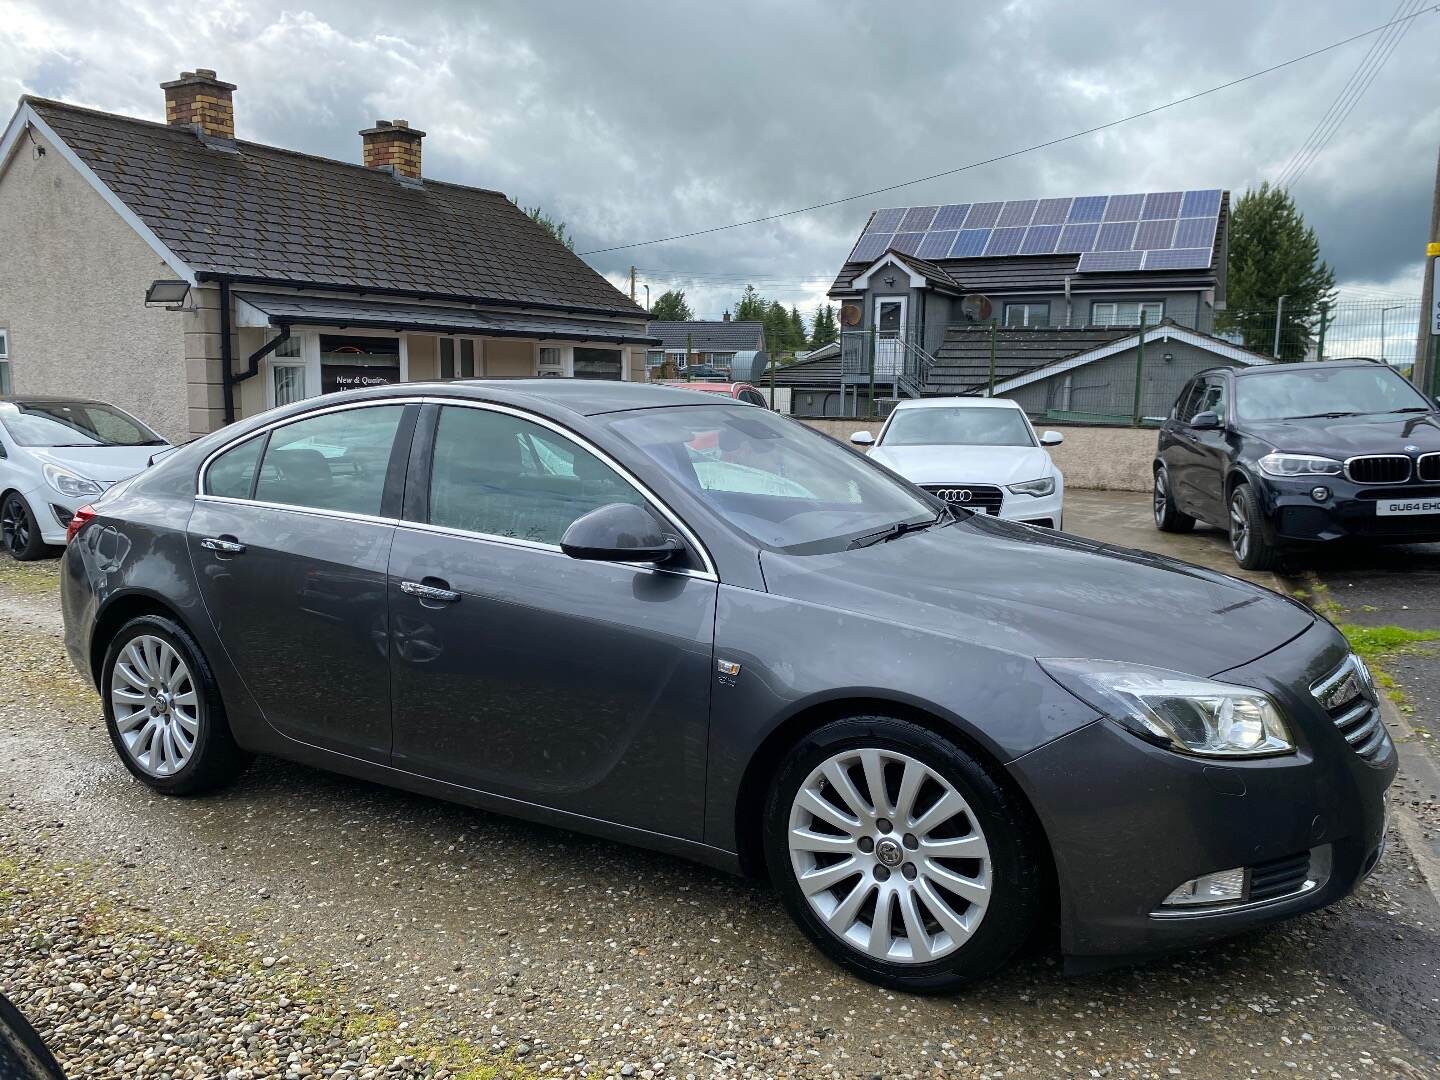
(56, 455)
(979, 453)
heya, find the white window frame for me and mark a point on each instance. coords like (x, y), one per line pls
(6, 384)
(1026, 306)
(477, 343)
(567, 349)
(308, 361)
(1116, 305)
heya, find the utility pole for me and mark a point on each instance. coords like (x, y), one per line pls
(1279, 310)
(1427, 359)
(647, 297)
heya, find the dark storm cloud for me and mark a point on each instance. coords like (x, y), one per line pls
(633, 122)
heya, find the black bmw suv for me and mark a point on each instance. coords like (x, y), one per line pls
(1290, 454)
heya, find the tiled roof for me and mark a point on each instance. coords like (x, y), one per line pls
(962, 363)
(709, 335)
(273, 214)
(822, 371)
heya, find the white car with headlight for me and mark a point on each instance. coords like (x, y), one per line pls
(977, 453)
(56, 455)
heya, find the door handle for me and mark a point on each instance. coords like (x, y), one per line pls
(429, 592)
(222, 544)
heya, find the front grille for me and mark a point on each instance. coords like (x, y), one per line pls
(1378, 469)
(1348, 697)
(1279, 877)
(1427, 467)
(983, 497)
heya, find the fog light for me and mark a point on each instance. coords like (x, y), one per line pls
(1320, 494)
(1227, 886)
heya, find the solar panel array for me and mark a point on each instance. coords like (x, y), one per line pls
(1161, 230)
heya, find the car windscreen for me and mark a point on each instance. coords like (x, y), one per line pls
(74, 423)
(783, 484)
(959, 426)
(1317, 392)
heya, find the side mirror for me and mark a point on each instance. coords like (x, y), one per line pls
(1205, 421)
(1051, 438)
(863, 438)
(619, 532)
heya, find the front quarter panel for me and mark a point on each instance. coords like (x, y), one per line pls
(802, 663)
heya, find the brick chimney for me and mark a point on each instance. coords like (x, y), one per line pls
(727, 316)
(198, 98)
(393, 143)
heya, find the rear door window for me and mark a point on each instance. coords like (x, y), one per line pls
(232, 474)
(336, 461)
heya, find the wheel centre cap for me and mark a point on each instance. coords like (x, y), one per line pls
(889, 852)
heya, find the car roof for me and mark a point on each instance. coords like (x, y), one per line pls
(586, 397)
(957, 402)
(1307, 365)
(49, 399)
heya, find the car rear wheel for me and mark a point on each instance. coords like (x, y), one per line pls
(163, 710)
(901, 856)
(20, 533)
(1247, 532)
(1167, 517)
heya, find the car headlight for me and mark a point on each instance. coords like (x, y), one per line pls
(1181, 712)
(1283, 465)
(1044, 486)
(68, 483)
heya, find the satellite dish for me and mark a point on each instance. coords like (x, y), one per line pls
(851, 314)
(977, 308)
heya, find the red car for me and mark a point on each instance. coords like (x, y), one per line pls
(741, 391)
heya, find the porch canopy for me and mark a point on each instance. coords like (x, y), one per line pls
(288, 309)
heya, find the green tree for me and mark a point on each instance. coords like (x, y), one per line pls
(554, 228)
(671, 307)
(797, 328)
(1273, 253)
(751, 307)
(823, 329)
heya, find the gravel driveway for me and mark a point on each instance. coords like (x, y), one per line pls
(302, 924)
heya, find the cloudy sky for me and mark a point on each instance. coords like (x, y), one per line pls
(636, 121)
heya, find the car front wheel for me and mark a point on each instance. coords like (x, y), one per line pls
(1167, 517)
(901, 856)
(1247, 532)
(19, 530)
(163, 710)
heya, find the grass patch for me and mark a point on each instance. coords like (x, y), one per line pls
(33, 579)
(1376, 642)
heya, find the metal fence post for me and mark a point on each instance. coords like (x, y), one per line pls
(994, 333)
(1324, 322)
(1279, 313)
(874, 343)
(1139, 368)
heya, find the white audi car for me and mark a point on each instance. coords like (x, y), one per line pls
(980, 453)
(56, 455)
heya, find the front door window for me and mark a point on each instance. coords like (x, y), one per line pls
(890, 335)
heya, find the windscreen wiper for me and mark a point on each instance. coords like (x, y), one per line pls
(894, 532)
(1411, 408)
(1324, 415)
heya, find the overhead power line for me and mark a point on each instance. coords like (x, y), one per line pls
(1370, 66)
(1025, 150)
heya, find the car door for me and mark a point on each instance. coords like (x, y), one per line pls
(582, 686)
(1174, 444)
(290, 539)
(1210, 450)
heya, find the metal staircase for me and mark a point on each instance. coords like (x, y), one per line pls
(889, 361)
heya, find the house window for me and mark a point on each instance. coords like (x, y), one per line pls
(4, 363)
(1027, 314)
(457, 358)
(722, 359)
(287, 372)
(655, 358)
(1126, 312)
(597, 363)
(552, 360)
(352, 362)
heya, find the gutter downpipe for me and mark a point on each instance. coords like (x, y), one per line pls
(252, 362)
(227, 393)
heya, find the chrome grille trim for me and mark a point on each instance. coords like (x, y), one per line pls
(986, 498)
(1427, 467)
(1378, 469)
(1349, 699)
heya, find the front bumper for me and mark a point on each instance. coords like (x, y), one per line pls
(1129, 822)
(48, 506)
(1293, 516)
(1046, 510)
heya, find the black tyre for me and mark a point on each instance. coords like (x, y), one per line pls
(1247, 532)
(1167, 517)
(904, 859)
(163, 710)
(19, 531)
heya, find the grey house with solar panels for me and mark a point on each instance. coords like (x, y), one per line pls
(1054, 289)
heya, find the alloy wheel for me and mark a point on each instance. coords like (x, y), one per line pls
(889, 856)
(156, 705)
(1161, 496)
(14, 526)
(1239, 527)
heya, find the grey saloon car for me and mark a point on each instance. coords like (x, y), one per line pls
(694, 625)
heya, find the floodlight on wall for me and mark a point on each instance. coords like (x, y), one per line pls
(168, 294)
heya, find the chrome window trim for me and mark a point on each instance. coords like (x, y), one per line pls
(709, 573)
(1409, 468)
